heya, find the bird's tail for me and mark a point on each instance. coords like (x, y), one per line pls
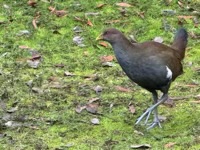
(180, 42)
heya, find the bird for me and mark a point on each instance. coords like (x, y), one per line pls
(151, 65)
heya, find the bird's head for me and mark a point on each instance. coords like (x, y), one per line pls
(110, 35)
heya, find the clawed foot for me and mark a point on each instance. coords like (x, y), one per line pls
(147, 115)
(153, 124)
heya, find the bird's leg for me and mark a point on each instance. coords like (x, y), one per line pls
(156, 120)
(153, 108)
(155, 100)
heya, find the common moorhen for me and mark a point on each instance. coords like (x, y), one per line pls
(151, 65)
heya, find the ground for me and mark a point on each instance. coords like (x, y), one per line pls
(51, 86)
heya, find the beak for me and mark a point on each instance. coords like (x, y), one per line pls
(100, 37)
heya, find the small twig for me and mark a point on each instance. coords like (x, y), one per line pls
(185, 97)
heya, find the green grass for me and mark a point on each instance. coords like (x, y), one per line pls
(48, 119)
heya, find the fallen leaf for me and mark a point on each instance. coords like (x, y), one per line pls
(169, 102)
(80, 108)
(168, 12)
(13, 109)
(100, 5)
(24, 47)
(123, 4)
(35, 57)
(107, 58)
(192, 85)
(32, 3)
(92, 108)
(112, 21)
(35, 21)
(13, 124)
(89, 23)
(185, 17)
(196, 102)
(67, 73)
(33, 63)
(108, 64)
(138, 132)
(93, 100)
(141, 146)
(59, 65)
(180, 4)
(131, 108)
(79, 41)
(23, 32)
(92, 14)
(122, 89)
(158, 39)
(92, 77)
(60, 13)
(37, 90)
(29, 83)
(169, 145)
(162, 118)
(141, 14)
(98, 89)
(95, 121)
(78, 19)
(57, 85)
(77, 29)
(104, 44)
(34, 127)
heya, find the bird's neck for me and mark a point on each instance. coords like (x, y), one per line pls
(123, 46)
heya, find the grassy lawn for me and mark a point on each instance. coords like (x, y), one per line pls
(46, 78)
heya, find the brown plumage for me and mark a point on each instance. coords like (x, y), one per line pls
(151, 65)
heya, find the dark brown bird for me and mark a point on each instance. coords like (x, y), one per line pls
(151, 65)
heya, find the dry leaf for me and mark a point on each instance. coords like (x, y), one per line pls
(122, 89)
(98, 89)
(79, 108)
(34, 22)
(196, 102)
(92, 77)
(141, 14)
(92, 108)
(112, 21)
(185, 17)
(93, 100)
(123, 4)
(131, 108)
(89, 23)
(59, 65)
(158, 39)
(24, 47)
(35, 57)
(60, 13)
(141, 146)
(180, 4)
(78, 19)
(33, 63)
(100, 5)
(169, 145)
(104, 44)
(51, 8)
(108, 58)
(67, 73)
(32, 3)
(95, 121)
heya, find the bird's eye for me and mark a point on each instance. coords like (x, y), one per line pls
(106, 32)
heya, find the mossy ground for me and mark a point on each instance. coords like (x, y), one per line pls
(48, 119)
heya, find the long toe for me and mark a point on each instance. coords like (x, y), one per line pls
(154, 124)
(146, 114)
